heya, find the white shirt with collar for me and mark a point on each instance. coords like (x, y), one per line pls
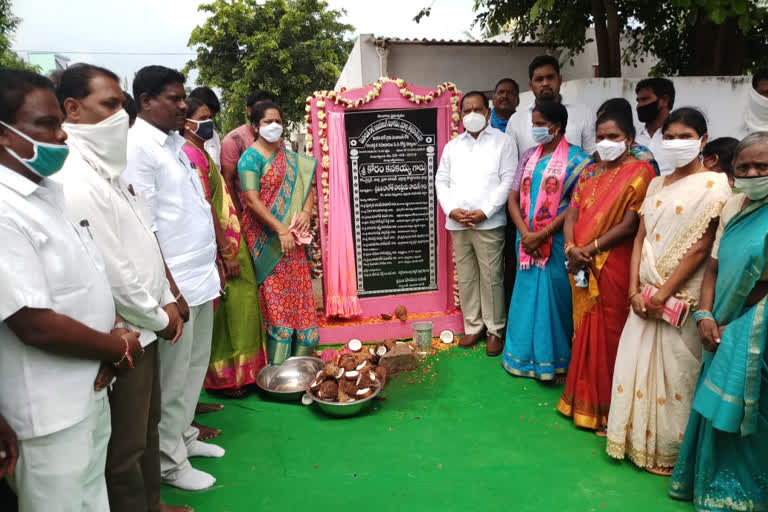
(160, 171)
(46, 262)
(121, 225)
(655, 146)
(579, 130)
(213, 147)
(476, 174)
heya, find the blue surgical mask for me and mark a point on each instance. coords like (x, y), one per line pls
(541, 134)
(204, 128)
(47, 159)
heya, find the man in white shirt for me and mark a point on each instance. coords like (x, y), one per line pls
(655, 100)
(213, 145)
(756, 113)
(473, 182)
(545, 82)
(58, 317)
(97, 129)
(159, 169)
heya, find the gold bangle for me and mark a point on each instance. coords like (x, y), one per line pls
(597, 247)
(631, 295)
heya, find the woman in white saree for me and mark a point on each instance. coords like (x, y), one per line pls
(657, 364)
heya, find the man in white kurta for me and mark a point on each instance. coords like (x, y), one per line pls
(472, 183)
(122, 229)
(159, 169)
(57, 314)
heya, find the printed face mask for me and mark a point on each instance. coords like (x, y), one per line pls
(204, 128)
(649, 112)
(754, 188)
(541, 134)
(47, 159)
(272, 132)
(610, 150)
(474, 122)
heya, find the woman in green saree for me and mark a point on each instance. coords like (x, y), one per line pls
(238, 351)
(722, 462)
(277, 190)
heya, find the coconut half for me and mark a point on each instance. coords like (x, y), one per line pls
(446, 337)
(340, 374)
(352, 375)
(355, 345)
(364, 393)
(362, 365)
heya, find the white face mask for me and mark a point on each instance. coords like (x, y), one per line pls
(681, 152)
(474, 122)
(610, 150)
(103, 144)
(755, 188)
(271, 132)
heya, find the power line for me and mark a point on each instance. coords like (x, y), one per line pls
(109, 53)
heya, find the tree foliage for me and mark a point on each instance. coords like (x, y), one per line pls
(288, 47)
(689, 37)
(8, 25)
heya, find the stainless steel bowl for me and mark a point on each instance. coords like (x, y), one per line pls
(344, 410)
(286, 382)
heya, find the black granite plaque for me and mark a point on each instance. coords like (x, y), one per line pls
(392, 158)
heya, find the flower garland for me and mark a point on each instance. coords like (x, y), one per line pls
(323, 97)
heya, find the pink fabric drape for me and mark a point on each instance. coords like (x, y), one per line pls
(341, 281)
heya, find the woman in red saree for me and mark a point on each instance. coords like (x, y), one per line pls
(600, 226)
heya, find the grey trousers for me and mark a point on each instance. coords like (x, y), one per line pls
(182, 371)
(480, 265)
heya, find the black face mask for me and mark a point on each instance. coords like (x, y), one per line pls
(649, 112)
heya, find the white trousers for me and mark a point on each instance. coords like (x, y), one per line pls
(64, 471)
(182, 371)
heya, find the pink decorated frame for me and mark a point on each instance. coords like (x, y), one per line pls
(389, 94)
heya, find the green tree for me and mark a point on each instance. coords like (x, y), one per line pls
(8, 25)
(288, 47)
(689, 37)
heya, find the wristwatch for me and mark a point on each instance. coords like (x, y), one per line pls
(121, 325)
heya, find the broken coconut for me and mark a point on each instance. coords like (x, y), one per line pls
(348, 363)
(328, 390)
(362, 366)
(364, 393)
(355, 345)
(382, 374)
(446, 336)
(386, 316)
(381, 349)
(352, 375)
(331, 370)
(401, 313)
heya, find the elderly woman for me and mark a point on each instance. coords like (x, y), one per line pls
(723, 460)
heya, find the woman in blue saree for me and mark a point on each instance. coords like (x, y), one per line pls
(723, 462)
(540, 325)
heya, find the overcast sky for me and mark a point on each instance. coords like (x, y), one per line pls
(107, 32)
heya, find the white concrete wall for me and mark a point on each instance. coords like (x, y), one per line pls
(722, 99)
(584, 63)
(469, 67)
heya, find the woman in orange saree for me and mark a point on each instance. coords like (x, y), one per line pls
(600, 226)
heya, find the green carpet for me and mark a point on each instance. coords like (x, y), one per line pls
(458, 434)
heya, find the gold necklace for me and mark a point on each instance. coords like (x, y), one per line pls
(613, 174)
